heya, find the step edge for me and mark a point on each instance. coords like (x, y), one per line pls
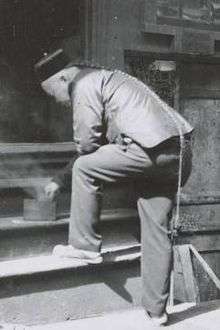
(20, 267)
(17, 223)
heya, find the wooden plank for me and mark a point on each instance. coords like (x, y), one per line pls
(200, 93)
(24, 182)
(207, 288)
(171, 293)
(187, 24)
(200, 42)
(207, 284)
(191, 291)
(200, 199)
(202, 242)
(20, 148)
(160, 29)
(206, 267)
(177, 288)
(150, 11)
(191, 41)
(115, 215)
(23, 161)
(45, 264)
(199, 218)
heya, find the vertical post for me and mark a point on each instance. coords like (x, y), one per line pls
(188, 289)
(150, 11)
(88, 29)
(180, 9)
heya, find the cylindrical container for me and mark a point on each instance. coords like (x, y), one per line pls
(39, 210)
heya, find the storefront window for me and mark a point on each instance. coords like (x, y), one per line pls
(160, 75)
(191, 11)
(168, 8)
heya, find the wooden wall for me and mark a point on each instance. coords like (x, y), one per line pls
(200, 102)
(119, 29)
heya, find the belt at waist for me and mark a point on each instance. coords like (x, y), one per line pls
(174, 141)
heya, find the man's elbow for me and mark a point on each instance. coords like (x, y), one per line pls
(85, 148)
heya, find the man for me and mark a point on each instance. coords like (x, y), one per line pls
(122, 130)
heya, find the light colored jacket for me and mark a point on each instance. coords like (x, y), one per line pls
(108, 103)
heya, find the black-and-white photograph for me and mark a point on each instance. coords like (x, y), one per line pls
(109, 164)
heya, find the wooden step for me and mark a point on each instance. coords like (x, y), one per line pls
(46, 264)
(45, 289)
(12, 198)
(20, 238)
(48, 289)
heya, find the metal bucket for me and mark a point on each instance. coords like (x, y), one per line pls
(39, 210)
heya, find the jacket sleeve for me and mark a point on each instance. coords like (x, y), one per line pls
(87, 115)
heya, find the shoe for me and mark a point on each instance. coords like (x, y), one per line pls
(157, 321)
(68, 251)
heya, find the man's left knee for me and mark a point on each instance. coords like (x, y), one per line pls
(80, 166)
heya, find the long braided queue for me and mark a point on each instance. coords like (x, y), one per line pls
(175, 221)
(165, 106)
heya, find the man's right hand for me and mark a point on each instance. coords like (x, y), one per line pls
(51, 190)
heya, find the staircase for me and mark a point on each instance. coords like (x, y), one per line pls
(37, 288)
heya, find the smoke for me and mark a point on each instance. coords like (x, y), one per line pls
(19, 170)
(27, 174)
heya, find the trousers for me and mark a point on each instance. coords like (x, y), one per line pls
(155, 172)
